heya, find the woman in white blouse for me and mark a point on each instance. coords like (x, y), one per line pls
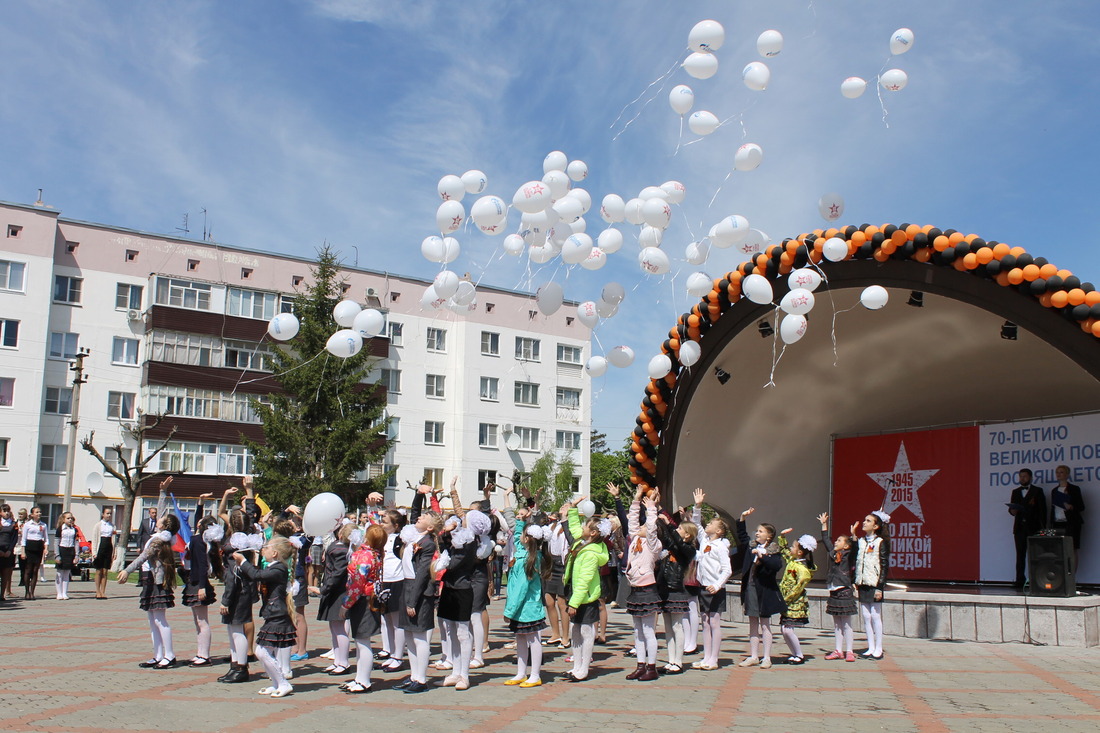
(68, 537)
(33, 540)
(104, 537)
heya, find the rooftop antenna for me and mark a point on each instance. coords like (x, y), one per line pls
(205, 230)
(40, 202)
(184, 228)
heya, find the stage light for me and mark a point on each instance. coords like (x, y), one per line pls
(722, 374)
(765, 328)
(1009, 331)
(916, 299)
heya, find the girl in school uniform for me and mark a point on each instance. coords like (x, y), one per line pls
(457, 560)
(393, 578)
(363, 601)
(872, 564)
(680, 543)
(419, 589)
(68, 537)
(198, 594)
(760, 594)
(104, 536)
(158, 579)
(32, 539)
(800, 567)
(238, 594)
(330, 603)
(587, 555)
(712, 572)
(643, 602)
(524, 609)
(842, 597)
(278, 631)
(9, 539)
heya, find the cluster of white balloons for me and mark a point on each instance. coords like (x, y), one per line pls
(892, 80)
(358, 324)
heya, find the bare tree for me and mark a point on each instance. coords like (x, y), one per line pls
(130, 474)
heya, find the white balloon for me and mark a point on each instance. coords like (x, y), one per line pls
(690, 351)
(613, 293)
(369, 323)
(805, 277)
(430, 300)
(699, 284)
(489, 211)
(587, 508)
(659, 366)
(706, 35)
(465, 294)
(893, 80)
(797, 302)
(345, 343)
(568, 208)
(653, 192)
(657, 213)
(595, 259)
(610, 240)
(757, 288)
(449, 216)
(756, 76)
(283, 327)
(587, 315)
(874, 297)
(748, 157)
(831, 206)
(596, 366)
(558, 234)
(584, 197)
(621, 356)
(769, 43)
(345, 311)
(753, 243)
(605, 309)
(531, 197)
(576, 249)
(675, 191)
(451, 188)
(432, 248)
(681, 99)
(541, 254)
(901, 41)
(549, 298)
(513, 245)
(853, 87)
(696, 253)
(322, 513)
(579, 226)
(558, 181)
(729, 231)
(653, 261)
(461, 309)
(577, 170)
(650, 237)
(613, 208)
(792, 328)
(701, 65)
(445, 284)
(702, 122)
(474, 181)
(451, 250)
(633, 211)
(835, 249)
(555, 161)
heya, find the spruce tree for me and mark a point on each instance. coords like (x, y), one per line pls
(327, 424)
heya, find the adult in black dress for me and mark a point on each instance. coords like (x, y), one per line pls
(1067, 507)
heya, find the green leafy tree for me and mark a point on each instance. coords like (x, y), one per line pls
(551, 481)
(607, 466)
(327, 425)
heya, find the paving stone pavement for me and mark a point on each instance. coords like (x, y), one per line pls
(72, 666)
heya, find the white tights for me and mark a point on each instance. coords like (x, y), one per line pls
(460, 641)
(341, 644)
(529, 656)
(645, 638)
(393, 636)
(691, 625)
(238, 644)
(200, 614)
(791, 637)
(161, 633)
(364, 662)
(274, 670)
(872, 624)
(416, 642)
(712, 638)
(477, 628)
(584, 639)
(674, 637)
(61, 582)
(842, 630)
(760, 627)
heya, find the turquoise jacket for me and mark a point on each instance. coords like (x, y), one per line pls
(524, 602)
(582, 571)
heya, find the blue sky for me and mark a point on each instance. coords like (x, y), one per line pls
(302, 122)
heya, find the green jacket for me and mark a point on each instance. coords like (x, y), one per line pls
(582, 570)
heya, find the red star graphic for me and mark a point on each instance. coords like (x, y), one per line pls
(668, 211)
(456, 221)
(536, 189)
(489, 229)
(446, 196)
(834, 210)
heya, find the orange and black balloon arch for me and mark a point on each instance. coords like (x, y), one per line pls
(1036, 295)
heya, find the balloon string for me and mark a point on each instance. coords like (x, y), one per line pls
(775, 340)
(836, 356)
(276, 376)
(321, 380)
(878, 90)
(659, 80)
(680, 139)
(720, 185)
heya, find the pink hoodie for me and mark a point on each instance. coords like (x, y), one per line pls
(644, 551)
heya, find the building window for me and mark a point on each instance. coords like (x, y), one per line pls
(67, 289)
(568, 440)
(527, 349)
(64, 345)
(119, 460)
(393, 429)
(433, 432)
(437, 339)
(53, 458)
(128, 296)
(183, 294)
(14, 230)
(251, 304)
(486, 477)
(192, 265)
(391, 380)
(59, 401)
(234, 460)
(568, 397)
(11, 275)
(185, 348)
(120, 405)
(487, 435)
(390, 470)
(189, 457)
(527, 393)
(569, 354)
(489, 388)
(131, 255)
(9, 333)
(394, 330)
(490, 343)
(203, 403)
(3, 452)
(434, 477)
(7, 391)
(247, 355)
(124, 351)
(528, 438)
(434, 386)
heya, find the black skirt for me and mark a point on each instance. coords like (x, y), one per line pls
(455, 604)
(66, 559)
(587, 613)
(191, 594)
(365, 622)
(526, 627)
(554, 585)
(479, 580)
(34, 550)
(277, 633)
(301, 598)
(643, 600)
(842, 602)
(423, 619)
(675, 601)
(712, 602)
(103, 554)
(328, 607)
(155, 597)
(867, 594)
(396, 601)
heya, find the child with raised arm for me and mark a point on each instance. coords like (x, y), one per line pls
(760, 594)
(842, 597)
(582, 574)
(643, 602)
(712, 571)
(796, 575)
(524, 609)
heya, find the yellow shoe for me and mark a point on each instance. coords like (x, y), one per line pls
(513, 682)
(536, 683)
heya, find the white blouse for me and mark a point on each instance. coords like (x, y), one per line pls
(68, 537)
(33, 531)
(106, 529)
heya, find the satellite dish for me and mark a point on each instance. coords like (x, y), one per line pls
(94, 482)
(511, 441)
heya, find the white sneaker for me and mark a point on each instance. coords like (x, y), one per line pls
(328, 655)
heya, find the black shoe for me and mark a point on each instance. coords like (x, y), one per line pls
(415, 687)
(240, 674)
(403, 684)
(383, 656)
(796, 660)
(166, 664)
(149, 664)
(231, 670)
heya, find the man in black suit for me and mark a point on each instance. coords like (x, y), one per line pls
(148, 528)
(1028, 506)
